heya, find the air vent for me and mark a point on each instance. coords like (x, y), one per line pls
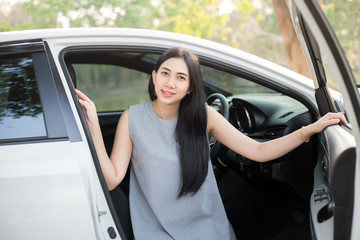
(275, 133)
(285, 115)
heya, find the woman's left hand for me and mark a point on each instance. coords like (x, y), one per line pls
(327, 120)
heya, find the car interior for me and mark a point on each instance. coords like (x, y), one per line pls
(262, 200)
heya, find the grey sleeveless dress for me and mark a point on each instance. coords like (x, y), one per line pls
(156, 212)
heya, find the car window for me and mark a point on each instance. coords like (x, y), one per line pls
(21, 114)
(231, 83)
(116, 80)
(112, 88)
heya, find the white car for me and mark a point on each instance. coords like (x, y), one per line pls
(51, 183)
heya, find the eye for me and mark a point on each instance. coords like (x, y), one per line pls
(164, 73)
(181, 77)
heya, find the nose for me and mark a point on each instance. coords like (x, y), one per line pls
(170, 82)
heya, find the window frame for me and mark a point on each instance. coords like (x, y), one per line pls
(51, 108)
(204, 60)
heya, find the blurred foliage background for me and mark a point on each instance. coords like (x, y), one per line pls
(250, 25)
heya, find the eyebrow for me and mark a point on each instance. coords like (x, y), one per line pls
(181, 73)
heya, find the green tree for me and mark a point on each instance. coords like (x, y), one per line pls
(254, 28)
(344, 17)
(12, 17)
(199, 18)
(249, 25)
(207, 19)
(91, 13)
(5, 26)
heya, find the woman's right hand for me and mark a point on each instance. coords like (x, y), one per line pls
(114, 169)
(88, 107)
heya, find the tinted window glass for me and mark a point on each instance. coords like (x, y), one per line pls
(120, 79)
(230, 82)
(20, 107)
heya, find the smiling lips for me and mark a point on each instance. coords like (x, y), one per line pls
(166, 93)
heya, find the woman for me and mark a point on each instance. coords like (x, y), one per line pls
(173, 192)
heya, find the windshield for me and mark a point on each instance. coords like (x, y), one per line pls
(230, 83)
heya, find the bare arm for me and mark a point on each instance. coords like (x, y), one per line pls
(228, 135)
(113, 167)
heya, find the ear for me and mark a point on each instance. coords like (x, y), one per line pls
(189, 90)
(153, 76)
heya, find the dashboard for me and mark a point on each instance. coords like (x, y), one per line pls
(263, 117)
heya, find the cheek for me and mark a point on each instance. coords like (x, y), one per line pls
(184, 89)
(187, 87)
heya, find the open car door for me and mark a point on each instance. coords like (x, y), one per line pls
(334, 203)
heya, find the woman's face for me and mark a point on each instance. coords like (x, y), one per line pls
(172, 81)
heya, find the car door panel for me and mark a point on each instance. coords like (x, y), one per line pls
(48, 180)
(35, 186)
(331, 200)
(340, 146)
(341, 178)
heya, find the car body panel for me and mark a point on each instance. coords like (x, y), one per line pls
(49, 182)
(33, 185)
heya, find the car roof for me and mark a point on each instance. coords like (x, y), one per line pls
(94, 32)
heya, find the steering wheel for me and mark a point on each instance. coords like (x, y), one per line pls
(223, 109)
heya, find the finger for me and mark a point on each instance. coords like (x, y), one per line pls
(85, 104)
(343, 119)
(82, 102)
(339, 116)
(328, 122)
(334, 121)
(81, 95)
(78, 92)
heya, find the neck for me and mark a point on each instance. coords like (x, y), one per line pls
(165, 111)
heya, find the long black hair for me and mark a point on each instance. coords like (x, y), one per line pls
(191, 128)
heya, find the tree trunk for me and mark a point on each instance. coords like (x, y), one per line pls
(292, 45)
